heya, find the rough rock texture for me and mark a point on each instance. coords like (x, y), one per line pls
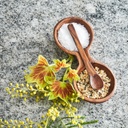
(26, 30)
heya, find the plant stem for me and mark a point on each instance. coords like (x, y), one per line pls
(70, 59)
(46, 126)
(84, 123)
(60, 119)
(63, 79)
(89, 122)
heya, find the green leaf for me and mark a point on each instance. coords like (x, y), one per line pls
(89, 122)
(82, 117)
(49, 79)
(51, 96)
(84, 123)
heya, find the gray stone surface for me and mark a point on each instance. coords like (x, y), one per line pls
(26, 30)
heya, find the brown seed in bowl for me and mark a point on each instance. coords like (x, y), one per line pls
(86, 89)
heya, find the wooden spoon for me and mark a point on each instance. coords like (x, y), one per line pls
(95, 80)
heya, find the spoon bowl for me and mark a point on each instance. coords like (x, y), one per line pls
(81, 65)
(109, 73)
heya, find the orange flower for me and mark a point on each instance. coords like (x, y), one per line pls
(62, 90)
(39, 71)
(71, 75)
(60, 64)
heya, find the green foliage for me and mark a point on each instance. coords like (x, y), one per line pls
(41, 81)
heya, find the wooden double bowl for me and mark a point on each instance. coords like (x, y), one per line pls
(81, 66)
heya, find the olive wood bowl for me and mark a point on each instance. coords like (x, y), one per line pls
(81, 66)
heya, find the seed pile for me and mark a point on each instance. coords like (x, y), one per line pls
(86, 89)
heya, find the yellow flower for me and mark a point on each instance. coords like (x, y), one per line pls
(53, 118)
(53, 113)
(74, 122)
(80, 126)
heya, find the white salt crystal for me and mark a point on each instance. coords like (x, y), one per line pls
(66, 39)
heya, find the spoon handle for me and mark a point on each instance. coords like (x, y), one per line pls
(82, 53)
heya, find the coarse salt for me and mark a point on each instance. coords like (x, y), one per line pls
(66, 39)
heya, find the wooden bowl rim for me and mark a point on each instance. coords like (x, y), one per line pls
(61, 22)
(108, 96)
